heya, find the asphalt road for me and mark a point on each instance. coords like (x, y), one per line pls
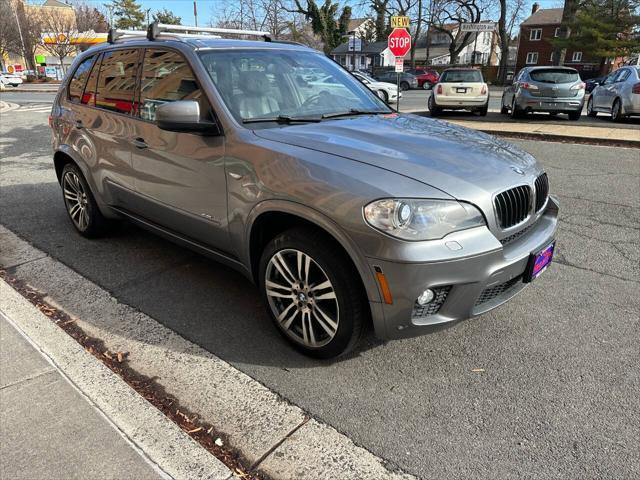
(558, 393)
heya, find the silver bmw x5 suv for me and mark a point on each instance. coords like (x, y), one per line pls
(343, 212)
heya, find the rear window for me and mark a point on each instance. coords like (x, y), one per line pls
(554, 75)
(117, 81)
(457, 76)
(76, 85)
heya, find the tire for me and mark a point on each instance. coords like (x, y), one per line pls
(404, 86)
(515, 111)
(616, 111)
(483, 111)
(382, 95)
(575, 115)
(344, 311)
(590, 111)
(427, 86)
(80, 204)
(435, 111)
(503, 110)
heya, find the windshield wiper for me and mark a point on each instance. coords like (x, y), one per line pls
(352, 112)
(282, 119)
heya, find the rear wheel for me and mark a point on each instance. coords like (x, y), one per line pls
(80, 203)
(515, 111)
(575, 115)
(433, 109)
(590, 111)
(427, 86)
(616, 111)
(314, 300)
(483, 111)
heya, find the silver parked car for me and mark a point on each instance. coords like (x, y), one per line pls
(618, 94)
(344, 213)
(545, 89)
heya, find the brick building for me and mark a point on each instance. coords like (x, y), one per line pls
(534, 47)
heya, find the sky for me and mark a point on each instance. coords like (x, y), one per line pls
(207, 8)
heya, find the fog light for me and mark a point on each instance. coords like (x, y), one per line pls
(426, 297)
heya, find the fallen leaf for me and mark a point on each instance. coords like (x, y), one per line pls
(194, 430)
(120, 356)
(477, 370)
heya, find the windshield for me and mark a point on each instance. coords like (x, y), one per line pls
(286, 84)
(551, 75)
(457, 76)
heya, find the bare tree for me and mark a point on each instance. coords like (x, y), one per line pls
(269, 15)
(458, 12)
(511, 12)
(90, 18)
(59, 24)
(10, 41)
(30, 27)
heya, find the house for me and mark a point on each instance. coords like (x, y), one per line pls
(370, 55)
(535, 48)
(484, 44)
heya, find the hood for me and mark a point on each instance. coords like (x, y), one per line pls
(463, 163)
(386, 85)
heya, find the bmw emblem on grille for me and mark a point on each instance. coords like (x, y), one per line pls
(519, 171)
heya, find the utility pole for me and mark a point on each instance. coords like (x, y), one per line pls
(195, 12)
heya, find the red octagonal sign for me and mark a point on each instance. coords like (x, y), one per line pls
(399, 42)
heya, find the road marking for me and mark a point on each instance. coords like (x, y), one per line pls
(34, 107)
(8, 107)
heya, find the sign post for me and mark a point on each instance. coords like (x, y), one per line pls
(399, 43)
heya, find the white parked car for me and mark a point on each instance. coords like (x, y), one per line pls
(618, 94)
(10, 79)
(460, 89)
(388, 92)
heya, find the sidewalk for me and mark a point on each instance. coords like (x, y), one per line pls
(48, 429)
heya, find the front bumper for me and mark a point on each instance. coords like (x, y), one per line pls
(470, 285)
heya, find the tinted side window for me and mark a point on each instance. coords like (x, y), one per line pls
(117, 81)
(166, 77)
(89, 95)
(76, 85)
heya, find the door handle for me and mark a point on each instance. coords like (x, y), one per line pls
(79, 124)
(139, 143)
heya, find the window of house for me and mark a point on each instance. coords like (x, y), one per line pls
(532, 58)
(117, 81)
(76, 85)
(535, 34)
(577, 57)
(166, 77)
(551, 57)
(557, 32)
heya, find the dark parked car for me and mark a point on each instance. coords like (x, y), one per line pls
(592, 83)
(426, 78)
(407, 80)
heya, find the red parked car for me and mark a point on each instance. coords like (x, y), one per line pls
(426, 78)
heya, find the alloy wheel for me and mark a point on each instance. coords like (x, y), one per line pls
(76, 201)
(302, 298)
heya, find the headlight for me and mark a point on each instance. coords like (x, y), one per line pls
(412, 219)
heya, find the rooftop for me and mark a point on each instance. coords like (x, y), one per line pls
(545, 16)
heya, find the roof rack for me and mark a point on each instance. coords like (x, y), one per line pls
(158, 31)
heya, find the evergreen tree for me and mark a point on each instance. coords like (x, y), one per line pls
(324, 22)
(604, 28)
(127, 14)
(167, 17)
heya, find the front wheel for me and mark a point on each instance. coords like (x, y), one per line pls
(313, 297)
(404, 86)
(382, 95)
(427, 86)
(616, 111)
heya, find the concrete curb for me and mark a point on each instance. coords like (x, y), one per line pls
(32, 90)
(276, 438)
(158, 439)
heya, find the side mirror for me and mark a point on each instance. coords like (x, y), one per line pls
(184, 116)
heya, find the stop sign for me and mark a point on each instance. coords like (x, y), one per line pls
(399, 42)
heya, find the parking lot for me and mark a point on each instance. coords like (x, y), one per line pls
(547, 386)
